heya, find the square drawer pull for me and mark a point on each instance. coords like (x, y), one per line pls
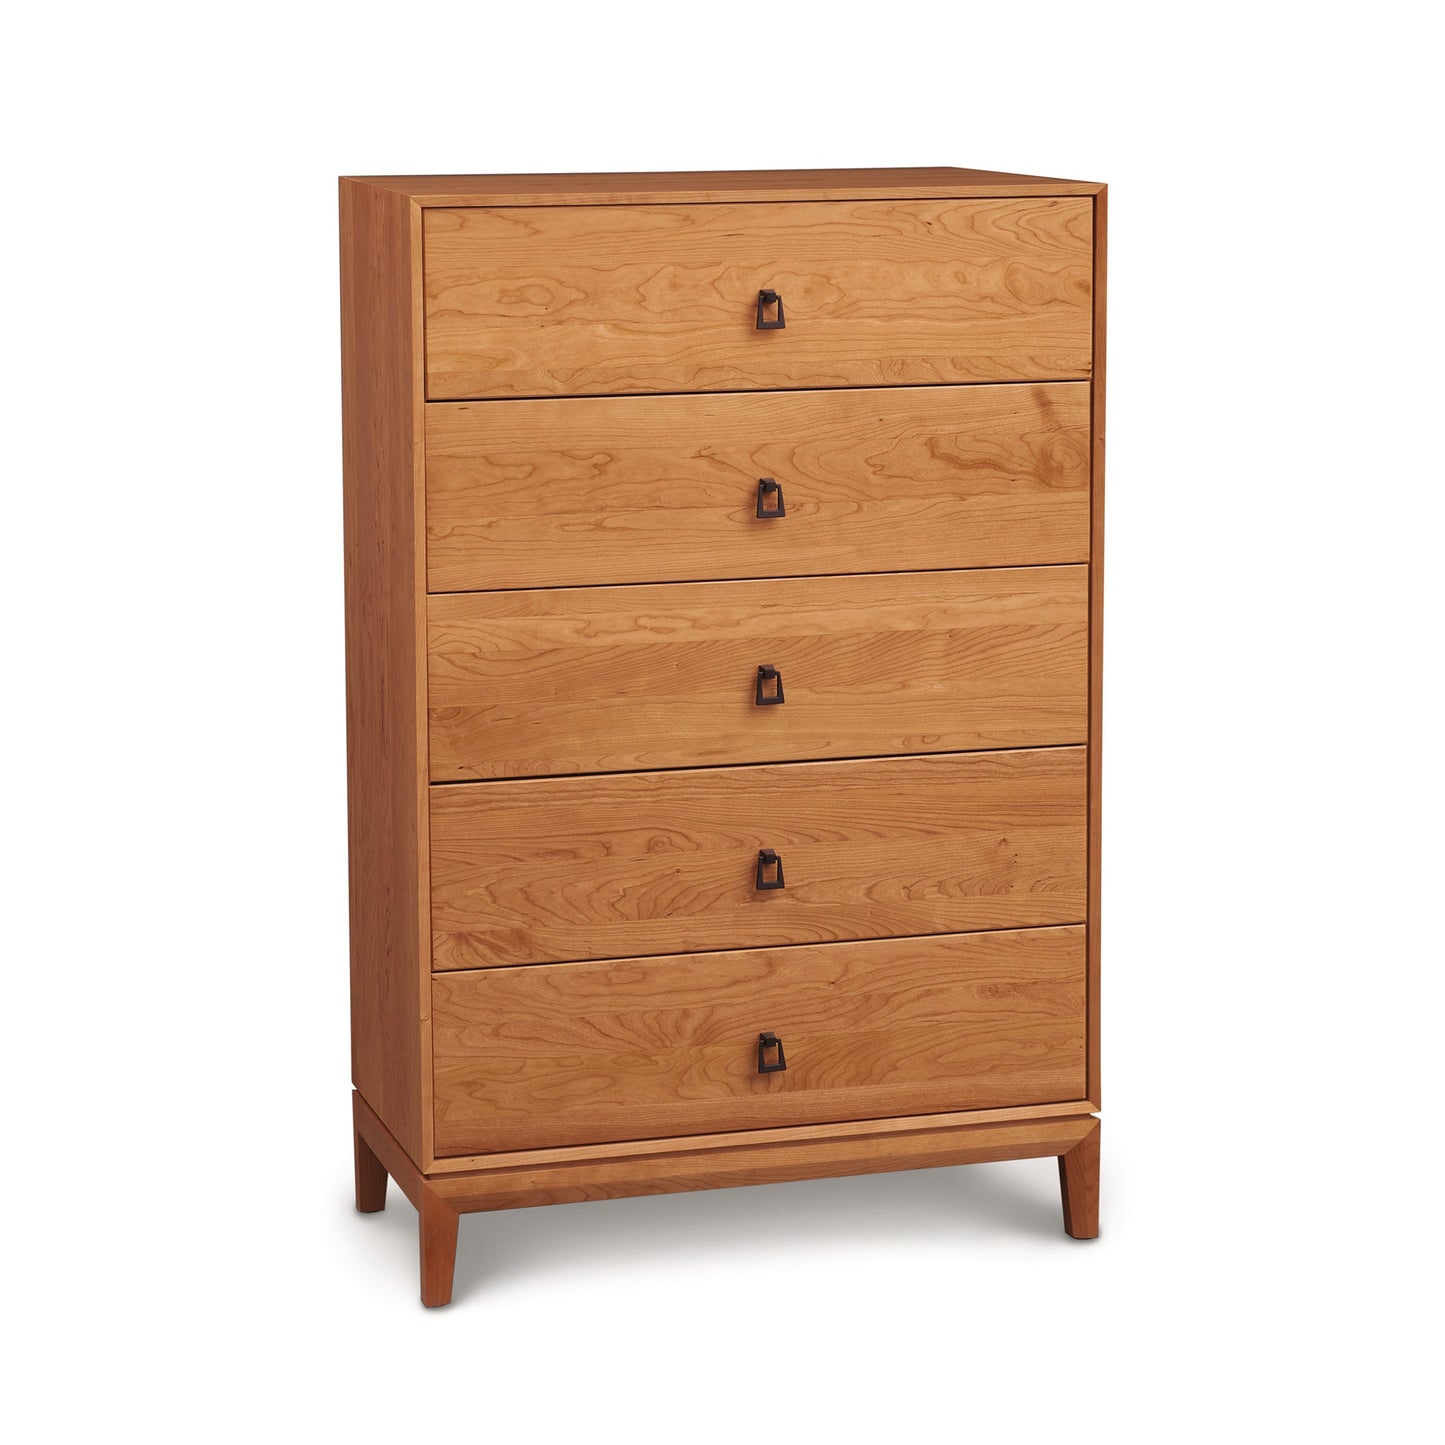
(768, 859)
(766, 299)
(766, 1043)
(762, 697)
(767, 487)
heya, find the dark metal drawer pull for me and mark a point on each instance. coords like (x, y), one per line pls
(766, 1042)
(766, 487)
(768, 859)
(766, 299)
(766, 675)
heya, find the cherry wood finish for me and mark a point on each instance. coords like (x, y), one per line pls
(1096, 643)
(437, 1221)
(615, 679)
(637, 1048)
(735, 1138)
(442, 1198)
(1079, 1185)
(579, 499)
(604, 188)
(577, 301)
(583, 490)
(370, 1177)
(384, 536)
(436, 1214)
(628, 864)
(930, 1148)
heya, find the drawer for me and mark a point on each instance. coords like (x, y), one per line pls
(592, 300)
(579, 491)
(644, 1048)
(628, 864)
(612, 679)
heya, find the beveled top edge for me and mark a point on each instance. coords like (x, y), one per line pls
(605, 188)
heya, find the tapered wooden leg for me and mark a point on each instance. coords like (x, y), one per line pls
(1079, 1185)
(438, 1229)
(370, 1177)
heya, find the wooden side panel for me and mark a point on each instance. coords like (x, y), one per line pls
(557, 301)
(626, 864)
(583, 490)
(635, 1049)
(385, 658)
(613, 679)
(1096, 643)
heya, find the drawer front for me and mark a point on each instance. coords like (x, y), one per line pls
(651, 863)
(646, 1048)
(589, 300)
(666, 488)
(610, 679)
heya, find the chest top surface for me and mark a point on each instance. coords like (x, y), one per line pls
(613, 188)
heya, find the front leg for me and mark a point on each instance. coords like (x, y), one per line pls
(1079, 1186)
(437, 1226)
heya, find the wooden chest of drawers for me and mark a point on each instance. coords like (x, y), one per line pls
(723, 617)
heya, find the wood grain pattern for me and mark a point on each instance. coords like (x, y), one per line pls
(611, 679)
(1096, 645)
(900, 287)
(1079, 1186)
(635, 1049)
(629, 864)
(759, 1164)
(578, 491)
(686, 187)
(385, 657)
(599, 300)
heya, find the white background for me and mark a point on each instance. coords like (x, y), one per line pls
(184, 1259)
